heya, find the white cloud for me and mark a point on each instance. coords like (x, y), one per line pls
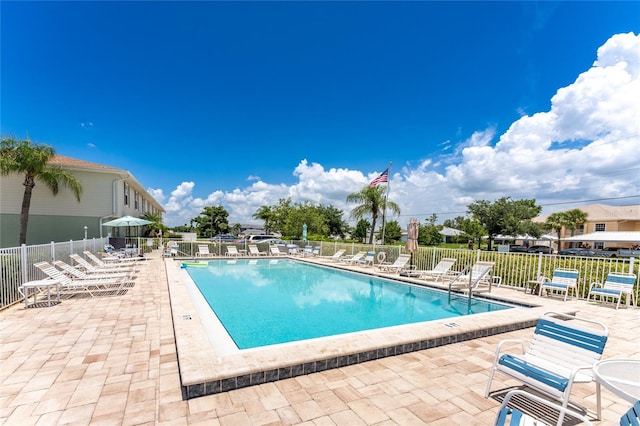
(585, 147)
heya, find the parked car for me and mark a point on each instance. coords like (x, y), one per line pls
(283, 246)
(224, 238)
(253, 239)
(608, 252)
(540, 249)
(576, 252)
(517, 248)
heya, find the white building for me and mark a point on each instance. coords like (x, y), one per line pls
(107, 193)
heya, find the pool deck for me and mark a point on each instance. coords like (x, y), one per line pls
(115, 360)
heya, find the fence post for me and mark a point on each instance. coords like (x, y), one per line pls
(23, 262)
(52, 255)
(631, 264)
(539, 266)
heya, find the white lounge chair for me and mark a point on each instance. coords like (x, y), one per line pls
(395, 267)
(354, 258)
(293, 251)
(88, 267)
(614, 287)
(232, 251)
(171, 249)
(441, 270)
(76, 273)
(368, 259)
(203, 250)
(562, 351)
(477, 278)
(334, 257)
(100, 263)
(513, 411)
(68, 285)
(275, 251)
(563, 281)
(255, 251)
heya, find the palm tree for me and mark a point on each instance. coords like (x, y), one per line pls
(266, 214)
(373, 201)
(33, 161)
(556, 221)
(574, 218)
(154, 229)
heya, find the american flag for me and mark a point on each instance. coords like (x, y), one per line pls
(384, 177)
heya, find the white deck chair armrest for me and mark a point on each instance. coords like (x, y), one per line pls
(510, 341)
(595, 284)
(576, 370)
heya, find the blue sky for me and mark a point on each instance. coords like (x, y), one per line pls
(242, 103)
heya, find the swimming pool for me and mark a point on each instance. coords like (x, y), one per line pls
(272, 301)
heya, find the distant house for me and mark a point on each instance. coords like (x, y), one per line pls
(450, 234)
(601, 218)
(107, 193)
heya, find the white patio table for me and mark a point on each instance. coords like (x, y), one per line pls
(620, 376)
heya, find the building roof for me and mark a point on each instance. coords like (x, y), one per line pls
(602, 212)
(450, 232)
(61, 160)
(611, 237)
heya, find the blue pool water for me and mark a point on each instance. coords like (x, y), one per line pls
(264, 302)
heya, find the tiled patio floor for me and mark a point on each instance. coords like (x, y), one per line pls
(112, 360)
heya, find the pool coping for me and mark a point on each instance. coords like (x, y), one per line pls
(203, 371)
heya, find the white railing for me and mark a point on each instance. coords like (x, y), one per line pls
(16, 263)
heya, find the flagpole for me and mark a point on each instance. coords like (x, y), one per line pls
(386, 197)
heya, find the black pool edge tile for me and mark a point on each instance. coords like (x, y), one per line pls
(231, 383)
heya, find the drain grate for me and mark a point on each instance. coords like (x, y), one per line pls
(186, 317)
(452, 325)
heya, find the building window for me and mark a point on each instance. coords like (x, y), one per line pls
(126, 194)
(136, 200)
(144, 205)
(599, 227)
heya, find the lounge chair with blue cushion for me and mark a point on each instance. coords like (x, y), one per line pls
(368, 259)
(520, 408)
(563, 281)
(631, 417)
(354, 258)
(562, 351)
(616, 284)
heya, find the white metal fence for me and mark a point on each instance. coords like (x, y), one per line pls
(514, 269)
(16, 263)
